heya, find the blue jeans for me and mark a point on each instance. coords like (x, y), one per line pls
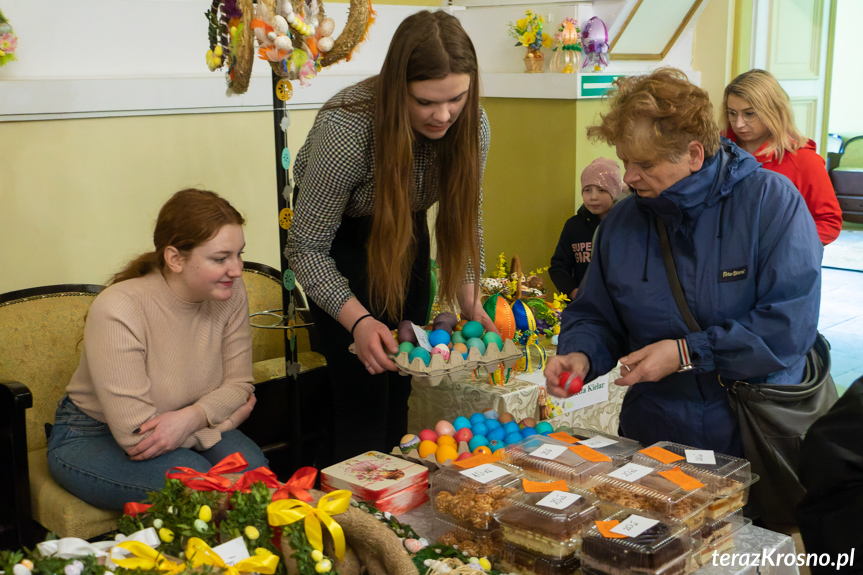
(86, 460)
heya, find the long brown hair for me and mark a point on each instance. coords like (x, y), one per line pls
(771, 103)
(190, 218)
(426, 46)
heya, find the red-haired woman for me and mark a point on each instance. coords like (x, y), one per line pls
(166, 371)
(380, 154)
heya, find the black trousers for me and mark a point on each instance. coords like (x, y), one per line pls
(369, 412)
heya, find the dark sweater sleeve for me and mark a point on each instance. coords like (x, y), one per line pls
(563, 260)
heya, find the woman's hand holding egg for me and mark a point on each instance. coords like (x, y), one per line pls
(374, 344)
(576, 364)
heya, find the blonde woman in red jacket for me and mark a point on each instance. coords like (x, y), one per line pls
(759, 120)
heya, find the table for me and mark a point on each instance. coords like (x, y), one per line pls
(749, 540)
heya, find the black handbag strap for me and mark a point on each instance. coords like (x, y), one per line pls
(673, 280)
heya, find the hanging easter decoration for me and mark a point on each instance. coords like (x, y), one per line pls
(594, 41)
(293, 36)
(524, 318)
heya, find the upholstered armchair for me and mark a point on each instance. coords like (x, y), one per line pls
(41, 333)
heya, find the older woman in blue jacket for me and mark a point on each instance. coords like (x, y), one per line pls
(746, 252)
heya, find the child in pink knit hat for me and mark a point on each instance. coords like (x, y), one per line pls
(601, 185)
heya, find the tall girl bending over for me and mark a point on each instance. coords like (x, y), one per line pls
(166, 371)
(379, 155)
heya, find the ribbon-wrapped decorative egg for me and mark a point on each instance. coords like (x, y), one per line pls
(524, 319)
(501, 314)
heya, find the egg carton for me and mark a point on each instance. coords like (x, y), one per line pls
(437, 368)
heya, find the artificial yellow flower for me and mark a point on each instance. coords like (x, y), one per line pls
(546, 41)
(521, 24)
(528, 38)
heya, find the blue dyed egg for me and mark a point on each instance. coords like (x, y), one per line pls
(477, 418)
(479, 428)
(492, 424)
(528, 431)
(476, 441)
(461, 422)
(511, 427)
(472, 329)
(477, 343)
(420, 353)
(439, 336)
(512, 438)
(496, 444)
(497, 434)
(544, 427)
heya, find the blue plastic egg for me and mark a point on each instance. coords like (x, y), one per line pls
(479, 428)
(439, 336)
(512, 438)
(497, 434)
(461, 422)
(476, 441)
(420, 353)
(528, 431)
(477, 343)
(511, 427)
(477, 418)
(492, 424)
(544, 427)
(472, 329)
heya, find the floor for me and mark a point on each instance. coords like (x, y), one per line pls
(841, 319)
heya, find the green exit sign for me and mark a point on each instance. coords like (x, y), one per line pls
(595, 85)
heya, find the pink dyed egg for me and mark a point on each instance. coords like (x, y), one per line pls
(463, 434)
(443, 350)
(464, 455)
(444, 427)
(428, 435)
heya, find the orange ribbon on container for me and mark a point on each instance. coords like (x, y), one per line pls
(249, 478)
(287, 511)
(298, 485)
(198, 553)
(147, 559)
(133, 508)
(212, 480)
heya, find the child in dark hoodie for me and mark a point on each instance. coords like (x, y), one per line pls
(601, 185)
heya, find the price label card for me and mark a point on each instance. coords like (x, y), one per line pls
(631, 472)
(422, 338)
(485, 473)
(233, 551)
(702, 456)
(549, 451)
(634, 526)
(558, 500)
(598, 442)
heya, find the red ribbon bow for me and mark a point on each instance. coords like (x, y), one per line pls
(298, 485)
(133, 508)
(244, 484)
(212, 480)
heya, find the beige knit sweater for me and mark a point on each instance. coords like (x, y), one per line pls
(146, 352)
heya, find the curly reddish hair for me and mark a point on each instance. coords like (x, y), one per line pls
(657, 115)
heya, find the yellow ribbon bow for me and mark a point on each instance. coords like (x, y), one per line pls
(147, 559)
(199, 553)
(287, 511)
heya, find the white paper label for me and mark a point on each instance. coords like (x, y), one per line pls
(233, 551)
(422, 338)
(598, 442)
(702, 456)
(485, 473)
(558, 500)
(549, 451)
(592, 393)
(634, 526)
(631, 472)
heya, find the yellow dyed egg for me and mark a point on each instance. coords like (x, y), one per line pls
(482, 449)
(446, 440)
(427, 448)
(446, 453)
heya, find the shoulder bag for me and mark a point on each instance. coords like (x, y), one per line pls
(773, 418)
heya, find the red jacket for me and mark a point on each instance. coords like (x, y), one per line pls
(805, 168)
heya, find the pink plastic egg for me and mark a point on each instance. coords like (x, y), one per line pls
(428, 435)
(444, 427)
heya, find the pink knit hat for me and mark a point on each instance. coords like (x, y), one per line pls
(604, 173)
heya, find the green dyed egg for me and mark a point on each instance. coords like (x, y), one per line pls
(472, 329)
(457, 337)
(406, 347)
(493, 337)
(477, 343)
